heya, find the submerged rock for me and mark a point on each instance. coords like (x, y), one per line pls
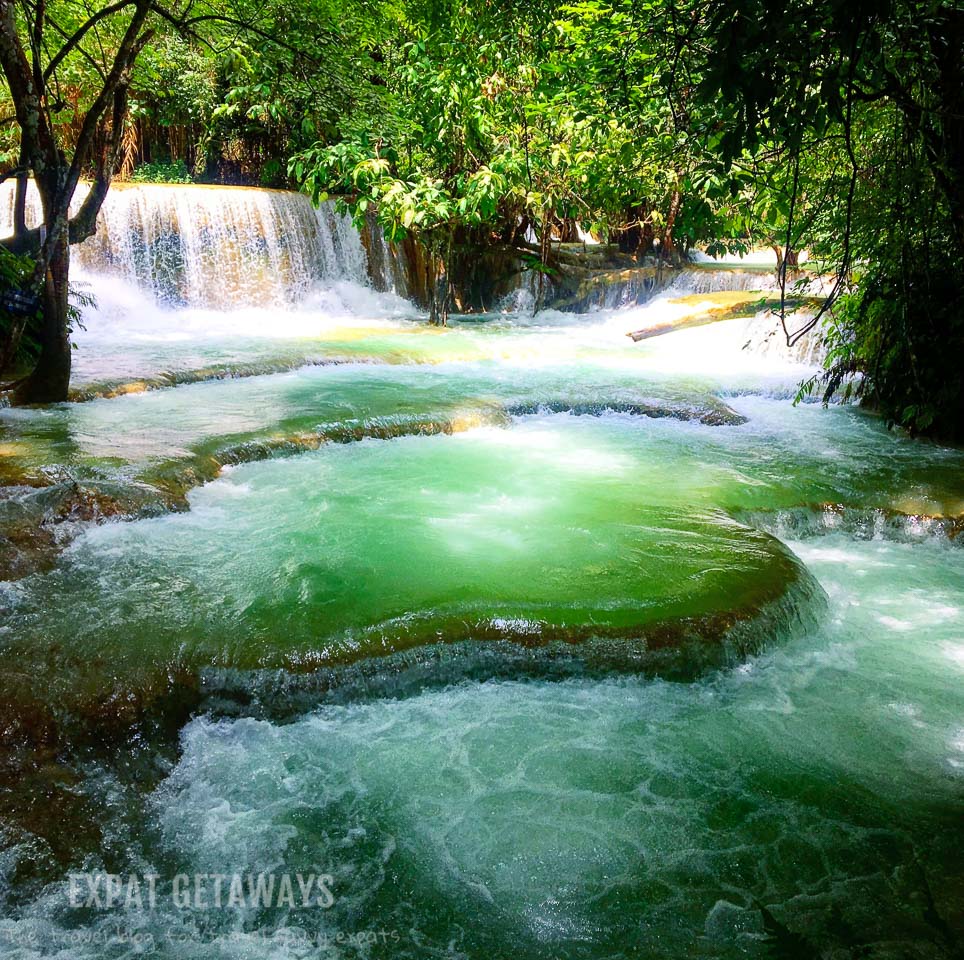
(710, 411)
(36, 523)
(177, 378)
(498, 556)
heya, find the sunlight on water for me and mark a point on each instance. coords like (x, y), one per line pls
(620, 815)
(422, 619)
(560, 527)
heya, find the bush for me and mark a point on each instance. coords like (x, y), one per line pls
(902, 332)
(159, 171)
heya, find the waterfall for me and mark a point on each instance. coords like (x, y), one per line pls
(209, 246)
(342, 253)
(764, 336)
(716, 278)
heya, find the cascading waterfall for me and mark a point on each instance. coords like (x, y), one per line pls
(710, 278)
(628, 299)
(386, 264)
(229, 248)
(206, 246)
(762, 332)
(765, 337)
(248, 677)
(199, 281)
(342, 253)
(627, 288)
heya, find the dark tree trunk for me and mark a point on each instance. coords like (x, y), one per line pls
(439, 292)
(630, 237)
(637, 237)
(793, 256)
(20, 201)
(667, 247)
(98, 145)
(50, 379)
(568, 230)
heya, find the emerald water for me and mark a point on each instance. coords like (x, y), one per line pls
(538, 641)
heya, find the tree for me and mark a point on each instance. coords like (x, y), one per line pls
(497, 129)
(861, 104)
(70, 80)
(835, 127)
(33, 83)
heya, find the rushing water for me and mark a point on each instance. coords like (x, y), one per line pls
(539, 642)
(212, 246)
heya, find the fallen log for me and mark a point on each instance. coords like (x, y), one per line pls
(746, 304)
(659, 329)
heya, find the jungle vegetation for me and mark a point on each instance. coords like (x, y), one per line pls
(656, 124)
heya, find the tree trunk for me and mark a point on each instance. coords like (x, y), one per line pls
(50, 379)
(793, 256)
(666, 248)
(439, 291)
(636, 236)
(20, 202)
(568, 230)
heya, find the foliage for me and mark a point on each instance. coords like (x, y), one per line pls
(70, 71)
(17, 274)
(499, 129)
(238, 107)
(543, 118)
(161, 172)
(15, 271)
(16, 277)
(660, 125)
(863, 104)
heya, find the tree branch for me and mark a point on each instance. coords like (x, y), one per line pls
(34, 126)
(81, 32)
(130, 46)
(97, 67)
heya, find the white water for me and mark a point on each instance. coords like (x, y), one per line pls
(213, 246)
(187, 277)
(581, 819)
(758, 256)
(590, 818)
(197, 276)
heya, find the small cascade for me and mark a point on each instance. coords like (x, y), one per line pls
(343, 256)
(624, 288)
(206, 246)
(714, 278)
(765, 337)
(523, 300)
(612, 288)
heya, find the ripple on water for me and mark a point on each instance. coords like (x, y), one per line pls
(590, 818)
(807, 801)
